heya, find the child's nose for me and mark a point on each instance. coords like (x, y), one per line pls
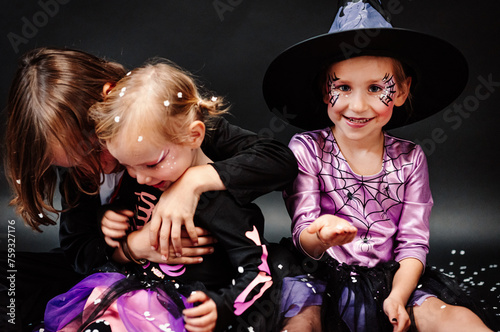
(142, 178)
(357, 101)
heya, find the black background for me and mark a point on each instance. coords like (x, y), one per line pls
(229, 43)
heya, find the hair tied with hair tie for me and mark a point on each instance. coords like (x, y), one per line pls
(111, 87)
(203, 110)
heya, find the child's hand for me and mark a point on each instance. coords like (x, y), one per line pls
(138, 243)
(175, 208)
(114, 225)
(203, 317)
(397, 314)
(332, 230)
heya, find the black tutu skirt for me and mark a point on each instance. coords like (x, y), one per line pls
(354, 296)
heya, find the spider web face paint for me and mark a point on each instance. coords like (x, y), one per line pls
(332, 92)
(389, 89)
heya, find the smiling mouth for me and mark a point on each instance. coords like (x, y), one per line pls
(354, 120)
(159, 185)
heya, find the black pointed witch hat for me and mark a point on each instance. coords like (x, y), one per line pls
(439, 70)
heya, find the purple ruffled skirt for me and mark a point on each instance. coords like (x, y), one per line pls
(118, 302)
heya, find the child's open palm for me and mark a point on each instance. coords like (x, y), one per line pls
(332, 230)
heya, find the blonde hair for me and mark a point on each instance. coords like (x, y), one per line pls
(159, 99)
(48, 105)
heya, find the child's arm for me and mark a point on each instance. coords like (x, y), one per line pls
(80, 237)
(203, 317)
(177, 205)
(246, 165)
(412, 240)
(404, 283)
(325, 232)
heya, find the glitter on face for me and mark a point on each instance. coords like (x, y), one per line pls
(334, 94)
(140, 138)
(389, 89)
(117, 119)
(166, 103)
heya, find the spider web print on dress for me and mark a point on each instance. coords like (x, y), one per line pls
(367, 199)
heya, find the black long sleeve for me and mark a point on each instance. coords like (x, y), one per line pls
(80, 235)
(249, 166)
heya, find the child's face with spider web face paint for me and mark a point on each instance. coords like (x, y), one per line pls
(361, 95)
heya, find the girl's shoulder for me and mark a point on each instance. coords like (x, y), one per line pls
(313, 137)
(393, 142)
(403, 149)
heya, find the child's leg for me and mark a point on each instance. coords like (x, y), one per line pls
(435, 315)
(308, 319)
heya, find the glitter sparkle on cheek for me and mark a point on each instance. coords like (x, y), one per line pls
(389, 89)
(334, 94)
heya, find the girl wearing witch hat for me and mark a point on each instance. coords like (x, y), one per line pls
(361, 202)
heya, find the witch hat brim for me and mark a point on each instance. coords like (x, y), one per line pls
(439, 73)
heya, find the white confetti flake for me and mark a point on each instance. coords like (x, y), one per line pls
(122, 91)
(241, 269)
(165, 327)
(179, 95)
(140, 138)
(18, 181)
(117, 119)
(166, 103)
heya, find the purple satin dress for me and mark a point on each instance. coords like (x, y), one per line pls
(390, 209)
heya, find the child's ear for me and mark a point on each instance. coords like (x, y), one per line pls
(107, 88)
(402, 92)
(196, 134)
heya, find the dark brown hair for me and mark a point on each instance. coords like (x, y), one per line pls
(48, 104)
